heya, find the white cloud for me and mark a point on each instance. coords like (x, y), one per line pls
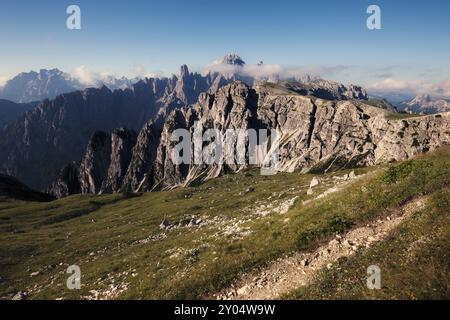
(91, 78)
(3, 80)
(141, 72)
(85, 76)
(443, 88)
(412, 87)
(272, 70)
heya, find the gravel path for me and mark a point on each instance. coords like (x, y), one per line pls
(287, 274)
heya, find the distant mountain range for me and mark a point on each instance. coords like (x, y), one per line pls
(425, 104)
(61, 139)
(47, 84)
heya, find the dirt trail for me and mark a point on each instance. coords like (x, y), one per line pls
(287, 274)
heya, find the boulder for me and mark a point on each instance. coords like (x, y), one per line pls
(165, 224)
(21, 295)
(314, 182)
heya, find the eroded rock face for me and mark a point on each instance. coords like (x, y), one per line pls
(95, 164)
(313, 134)
(139, 175)
(122, 143)
(40, 143)
(103, 167)
(67, 182)
(324, 89)
(321, 135)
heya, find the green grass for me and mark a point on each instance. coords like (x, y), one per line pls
(189, 262)
(414, 262)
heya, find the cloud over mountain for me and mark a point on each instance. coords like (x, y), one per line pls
(3, 81)
(412, 87)
(269, 71)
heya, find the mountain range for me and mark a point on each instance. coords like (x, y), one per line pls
(425, 104)
(99, 140)
(316, 135)
(57, 130)
(42, 141)
(47, 84)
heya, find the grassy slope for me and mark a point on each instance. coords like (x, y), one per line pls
(414, 262)
(190, 262)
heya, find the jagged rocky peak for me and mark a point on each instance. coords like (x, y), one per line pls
(184, 72)
(233, 59)
(58, 130)
(140, 170)
(122, 143)
(315, 135)
(190, 85)
(103, 167)
(95, 164)
(67, 182)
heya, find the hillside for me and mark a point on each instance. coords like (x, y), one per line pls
(194, 242)
(11, 188)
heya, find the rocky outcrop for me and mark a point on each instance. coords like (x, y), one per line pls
(141, 170)
(39, 144)
(95, 164)
(323, 125)
(346, 135)
(103, 167)
(323, 89)
(67, 182)
(122, 143)
(233, 59)
(314, 135)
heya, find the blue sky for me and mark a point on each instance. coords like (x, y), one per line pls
(158, 36)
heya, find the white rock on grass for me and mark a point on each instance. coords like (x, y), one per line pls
(21, 295)
(352, 175)
(314, 183)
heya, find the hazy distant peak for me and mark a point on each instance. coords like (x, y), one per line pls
(425, 103)
(233, 59)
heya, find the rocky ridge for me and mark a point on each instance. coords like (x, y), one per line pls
(314, 134)
(42, 141)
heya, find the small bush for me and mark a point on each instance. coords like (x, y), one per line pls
(396, 173)
(335, 225)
